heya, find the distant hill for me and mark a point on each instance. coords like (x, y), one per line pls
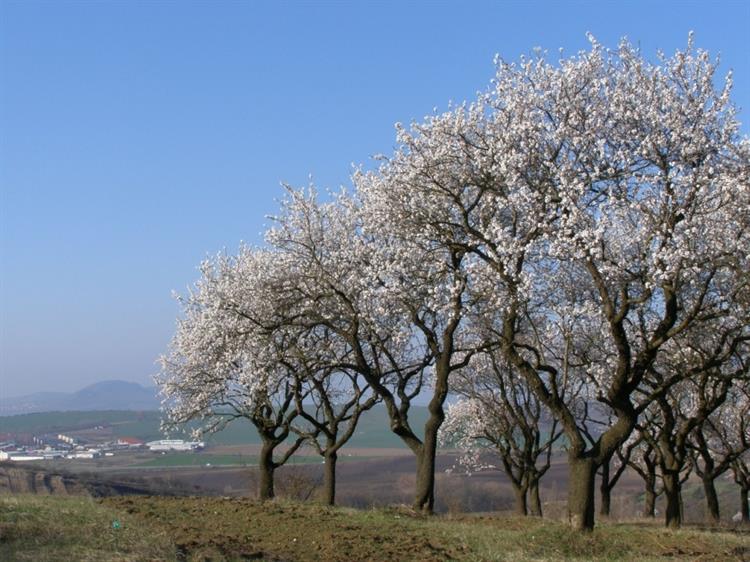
(106, 395)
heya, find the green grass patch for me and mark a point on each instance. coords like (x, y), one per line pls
(50, 529)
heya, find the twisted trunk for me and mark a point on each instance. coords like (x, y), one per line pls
(424, 500)
(329, 480)
(744, 507)
(605, 489)
(581, 493)
(712, 500)
(649, 503)
(535, 501)
(520, 507)
(649, 508)
(673, 494)
(266, 468)
(425, 492)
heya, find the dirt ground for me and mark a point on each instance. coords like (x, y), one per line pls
(243, 529)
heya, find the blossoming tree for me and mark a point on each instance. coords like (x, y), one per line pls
(605, 183)
(720, 443)
(601, 192)
(498, 415)
(396, 303)
(224, 362)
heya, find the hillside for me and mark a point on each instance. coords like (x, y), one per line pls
(105, 395)
(30, 479)
(372, 432)
(172, 529)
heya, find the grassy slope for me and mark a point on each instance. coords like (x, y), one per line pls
(52, 528)
(55, 528)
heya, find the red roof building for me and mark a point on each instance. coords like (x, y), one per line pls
(130, 441)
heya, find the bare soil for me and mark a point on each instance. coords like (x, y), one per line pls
(242, 529)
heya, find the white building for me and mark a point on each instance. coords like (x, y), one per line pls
(87, 454)
(20, 457)
(53, 454)
(175, 445)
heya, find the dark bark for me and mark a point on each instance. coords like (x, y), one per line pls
(672, 445)
(581, 493)
(273, 423)
(649, 503)
(424, 500)
(535, 502)
(646, 469)
(712, 500)
(585, 458)
(327, 421)
(649, 509)
(610, 477)
(440, 343)
(673, 495)
(605, 489)
(266, 468)
(519, 503)
(710, 464)
(606, 505)
(329, 482)
(522, 433)
(742, 478)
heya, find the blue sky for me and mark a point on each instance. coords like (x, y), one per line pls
(136, 138)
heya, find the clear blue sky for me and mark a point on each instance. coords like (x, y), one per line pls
(136, 138)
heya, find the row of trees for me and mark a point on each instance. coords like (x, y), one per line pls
(578, 235)
(698, 427)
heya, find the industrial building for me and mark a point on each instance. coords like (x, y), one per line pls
(175, 445)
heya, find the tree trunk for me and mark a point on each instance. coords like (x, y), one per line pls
(649, 505)
(606, 505)
(329, 483)
(266, 467)
(424, 500)
(535, 501)
(744, 507)
(672, 492)
(712, 500)
(605, 490)
(425, 493)
(520, 501)
(581, 493)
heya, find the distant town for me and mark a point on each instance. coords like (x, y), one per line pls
(61, 446)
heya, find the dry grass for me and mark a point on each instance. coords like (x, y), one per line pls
(75, 528)
(191, 529)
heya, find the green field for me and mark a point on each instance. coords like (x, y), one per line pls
(49, 422)
(373, 430)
